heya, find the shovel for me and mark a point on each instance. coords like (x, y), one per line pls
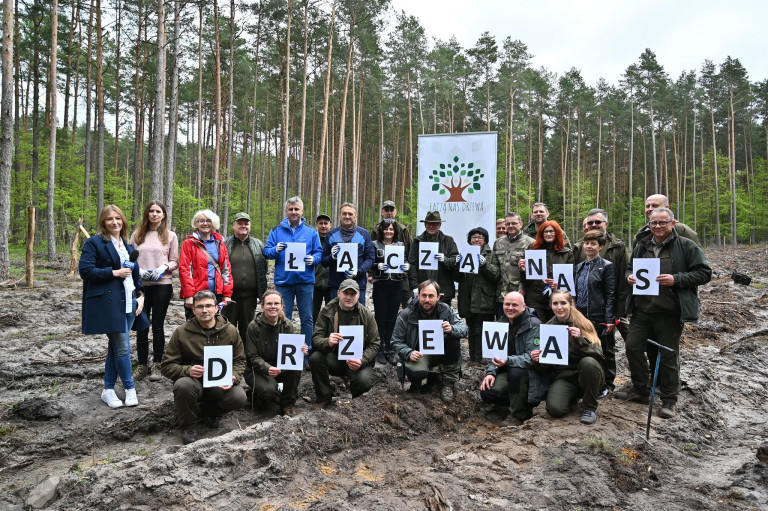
(653, 387)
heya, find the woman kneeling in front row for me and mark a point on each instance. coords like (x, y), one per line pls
(583, 376)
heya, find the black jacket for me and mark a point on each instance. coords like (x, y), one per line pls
(601, 293)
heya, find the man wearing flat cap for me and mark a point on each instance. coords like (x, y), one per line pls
(446, 257)
(388, 214)
(324, 361)
(249, 273)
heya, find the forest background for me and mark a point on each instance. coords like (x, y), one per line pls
(237, 106)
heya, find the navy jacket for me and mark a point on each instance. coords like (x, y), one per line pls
(365, 257)
(103, 294)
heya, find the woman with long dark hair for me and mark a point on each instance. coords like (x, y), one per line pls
(112, 299)
(158, 249)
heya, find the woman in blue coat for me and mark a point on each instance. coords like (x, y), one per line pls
(112, 299)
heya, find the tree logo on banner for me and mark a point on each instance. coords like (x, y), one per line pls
(456, 177)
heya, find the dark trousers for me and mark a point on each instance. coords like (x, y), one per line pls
(321, 294)
(511, 389)
(450, 364)
(665, 329)
(475, 324)
(325, 365)
(156, 300)
(241, 312)
(386, 302)
(608, 345)
(585, 384)
(188, 391)
(264, 387)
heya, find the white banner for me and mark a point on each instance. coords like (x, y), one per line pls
(457, 178)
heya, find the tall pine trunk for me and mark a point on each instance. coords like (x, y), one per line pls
(158, 135)
(6, 136)
(52, 140)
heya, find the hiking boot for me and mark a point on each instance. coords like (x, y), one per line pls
(109, 397)
(668, 410)
(320, 405)
(188, 436)
(212, 421)
(447, 394)
(632, 394)
(589, 417)
(603, 393)
(288, 411)
(130, 397)
(140, 373)
(155, 374)
(381, 359)
(511, 422)
(391, 358)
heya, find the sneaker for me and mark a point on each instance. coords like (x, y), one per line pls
(140, 373)
(188, 436)
(156, 374)
(447, 394)
(288, 411)
(632, 394)
(212, 421)
(667, 410)
(109, 397)
(511, 422)
(603, 393)
(381, 359)
(391, 358)
(589, 417)
(130, 397)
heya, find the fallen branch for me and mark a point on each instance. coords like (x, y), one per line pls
(67, 361)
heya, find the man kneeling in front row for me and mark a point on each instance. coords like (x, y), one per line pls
(183, 364)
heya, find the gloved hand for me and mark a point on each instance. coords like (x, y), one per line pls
(440, 257)
(334, 251)
(309, 260)
(158, 272)
(458, 258)
(481, 259)
(145, 274)
(350, 274)
(415, 293)
(405, 266)
(383, 266)
(281, 246)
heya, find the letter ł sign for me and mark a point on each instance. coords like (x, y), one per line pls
(394, 257)
(563, 275)
(217, 361)
(535, 264)
(427, 251)
(495, 339)
(351, 346)
(553, 344)
(646, 271)
(294, 256)
(431, 341)
(289, 354)
(470, 260)
(346, 259)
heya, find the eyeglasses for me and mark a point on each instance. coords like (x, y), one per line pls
(549, 232)
(659, 223)
(203, 221)
(594, 222)
(207, 306)
(477, 238)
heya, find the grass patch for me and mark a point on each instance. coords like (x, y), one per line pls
(692, 450)
(601, 444)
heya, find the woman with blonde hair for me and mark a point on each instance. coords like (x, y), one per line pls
(158, 249)
(583, 377)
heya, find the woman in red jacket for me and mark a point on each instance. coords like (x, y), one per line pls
(204, 262)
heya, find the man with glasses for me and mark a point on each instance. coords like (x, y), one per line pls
(615, 251)
(661, 201)
(183, 364)
(509, 250)
(683, 267)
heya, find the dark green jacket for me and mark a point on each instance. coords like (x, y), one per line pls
(615, 251)
(681, 229)
(577, 349)
(261, 342)
(444, 273)
(328, 323)
(534, 288)
(477, 292)
(405, 337)
(690, 269)
(259, 261)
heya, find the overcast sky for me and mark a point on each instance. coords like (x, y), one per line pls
(603, 37)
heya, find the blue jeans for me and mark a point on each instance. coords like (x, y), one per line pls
(119, 355)
(302, 294)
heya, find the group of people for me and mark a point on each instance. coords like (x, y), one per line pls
(127, 285)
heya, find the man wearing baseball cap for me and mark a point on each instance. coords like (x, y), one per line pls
(322, 292)
(343, 310)
(446, 257)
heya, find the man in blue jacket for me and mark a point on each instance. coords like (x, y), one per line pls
(348, 232)
(295, 285)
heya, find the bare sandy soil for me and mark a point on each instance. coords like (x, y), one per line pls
(62, 448)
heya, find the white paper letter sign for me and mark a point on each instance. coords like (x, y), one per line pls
(394, 257)
(563, 275)
(217, 361)
(470, 260)
(646, 271)
(294, 256)
(553, 344)
(352, 345)
(289, 354)
(346, 259)
(535, 264)
(431, 341)
(494, 340)
(426, 255)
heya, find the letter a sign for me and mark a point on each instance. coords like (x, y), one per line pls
(554, 344)
(470, 262)
(346, 259)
